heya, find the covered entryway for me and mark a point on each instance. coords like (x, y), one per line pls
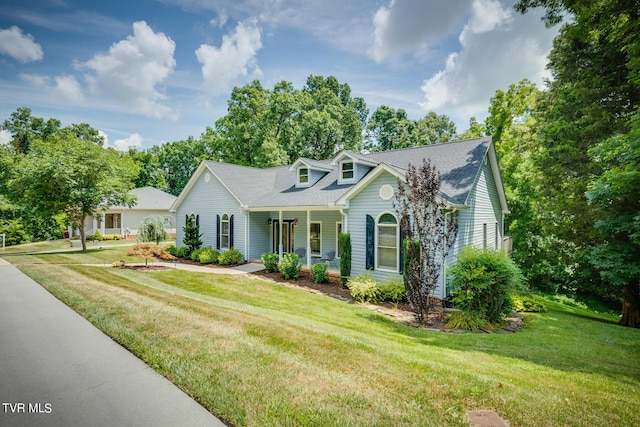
(288, 235)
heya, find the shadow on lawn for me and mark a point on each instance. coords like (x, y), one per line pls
(560, 339)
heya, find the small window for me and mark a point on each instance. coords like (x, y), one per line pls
(316, 238)
(303, 176)
(387, 244)
(347, 170)
(224, 232)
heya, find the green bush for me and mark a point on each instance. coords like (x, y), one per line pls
(525, 303)
(392, 290)
(466, 320)
(195, 254)
(95, 236)
(363, 288)
(482, 281)
(183, 252)
(270, 261)
(319, 272)
(230, 257)
(208, 255)
(289, 267)
(344, 242)
(172, 250)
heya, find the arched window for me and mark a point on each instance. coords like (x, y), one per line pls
(224, 232)
(387, 242)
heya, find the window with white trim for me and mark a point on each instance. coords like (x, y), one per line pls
(387, 242)
(347, 171)
(303, 176)
(224, 232)
(315, 238)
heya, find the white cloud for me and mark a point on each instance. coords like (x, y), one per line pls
(105, 138)
(498, 48)
(221, 20)
(412, 26)
(19, 46)
(133, 69)
(235, 58)
(132, 141)
(5, 137)
(66, 88)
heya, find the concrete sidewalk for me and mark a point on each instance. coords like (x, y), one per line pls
(56, 369)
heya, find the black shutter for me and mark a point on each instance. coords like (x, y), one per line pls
(401, 257)
(186, 219)
(198, 220)
(231, 231)
(218, 232)
(370, 237)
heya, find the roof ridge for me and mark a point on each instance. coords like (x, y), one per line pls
(426, 146)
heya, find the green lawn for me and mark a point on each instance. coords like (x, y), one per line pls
(259, 354)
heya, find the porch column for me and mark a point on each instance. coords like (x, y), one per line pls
(308, 239)
(280, 234)
(95, 224)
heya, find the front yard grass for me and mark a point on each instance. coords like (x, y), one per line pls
(256, 353)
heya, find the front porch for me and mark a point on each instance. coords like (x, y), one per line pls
(311, 234)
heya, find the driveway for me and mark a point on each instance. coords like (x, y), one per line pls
(56, 369)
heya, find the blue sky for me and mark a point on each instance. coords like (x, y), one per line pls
(148, 71)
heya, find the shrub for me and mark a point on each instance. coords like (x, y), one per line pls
(527, 304)
(183, 252)
(111, 237)
(270, 261)
(208, 255)
(95, 236)
(289, 266)
(172, 250)
(482, 281)
(195, 254)
(192, 236)
(363, 288)
(230, 257)
(392, 290)
(466, 320)
(344, 241)
(319, 272)
(148, 251)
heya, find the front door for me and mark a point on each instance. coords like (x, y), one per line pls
(287, 235)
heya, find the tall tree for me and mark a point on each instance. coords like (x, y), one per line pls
(616, 193)
(389, 129)
(178, 160)
(434, 128)
(425, 220)
(591, 100)
(25, 129)
(595, 88)
(73, 176)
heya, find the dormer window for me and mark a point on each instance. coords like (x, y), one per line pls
(346, 171)
(303, 176)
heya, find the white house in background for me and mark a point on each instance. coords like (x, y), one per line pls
(303, 207)
(126, 221)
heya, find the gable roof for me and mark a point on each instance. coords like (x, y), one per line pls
(459, 164)
(150, 198)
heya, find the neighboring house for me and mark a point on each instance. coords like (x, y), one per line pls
(303, 207)
(126, 221)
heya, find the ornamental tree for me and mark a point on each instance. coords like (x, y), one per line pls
(426, 220)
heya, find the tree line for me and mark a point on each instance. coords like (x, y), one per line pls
(569, 153)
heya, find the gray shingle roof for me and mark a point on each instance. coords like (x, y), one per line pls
(457, 162)
(150, 198)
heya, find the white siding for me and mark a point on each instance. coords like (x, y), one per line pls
(209, 199)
